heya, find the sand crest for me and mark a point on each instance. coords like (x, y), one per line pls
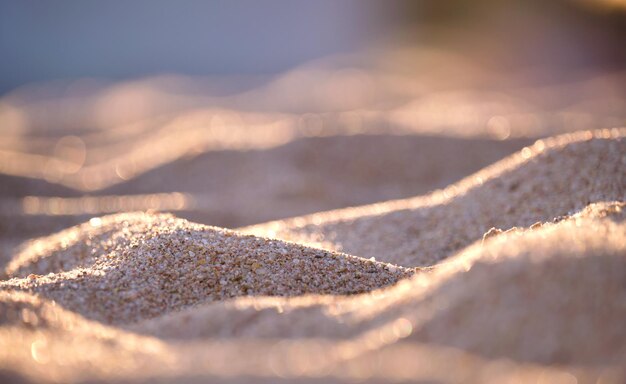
(127, 267)
(570, 272)
(550, 179)
(515, 273)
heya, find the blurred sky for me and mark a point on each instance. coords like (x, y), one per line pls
(114, 39)
(43, 40)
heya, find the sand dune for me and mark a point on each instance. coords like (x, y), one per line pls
(557, 286)
(223, 188)
(541, 183)
(396, 216)
(294, 178)
(523, 265)
(382, 124)
(538, 279)
(128, 267)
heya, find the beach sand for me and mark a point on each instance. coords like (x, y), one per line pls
(289, 247)
(151, 297)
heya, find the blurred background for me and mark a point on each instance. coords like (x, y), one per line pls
(69, 39)
(237, 112)
(121, 40)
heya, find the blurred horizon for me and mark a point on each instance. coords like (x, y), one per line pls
(124, 40)
(119, 41)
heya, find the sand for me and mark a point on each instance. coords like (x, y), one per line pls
(136, 297)
(436, 230)
(542, 182)
(128, 267)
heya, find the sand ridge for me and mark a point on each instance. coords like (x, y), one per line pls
(128, 267)
(588, 260)
(540, 297)
(486, 269)
(539, 183)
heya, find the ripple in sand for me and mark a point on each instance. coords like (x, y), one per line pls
(134, 266)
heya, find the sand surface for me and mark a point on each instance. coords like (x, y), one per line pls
(453, 233)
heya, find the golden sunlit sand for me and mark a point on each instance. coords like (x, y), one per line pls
(407, 228)
(518, 302)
